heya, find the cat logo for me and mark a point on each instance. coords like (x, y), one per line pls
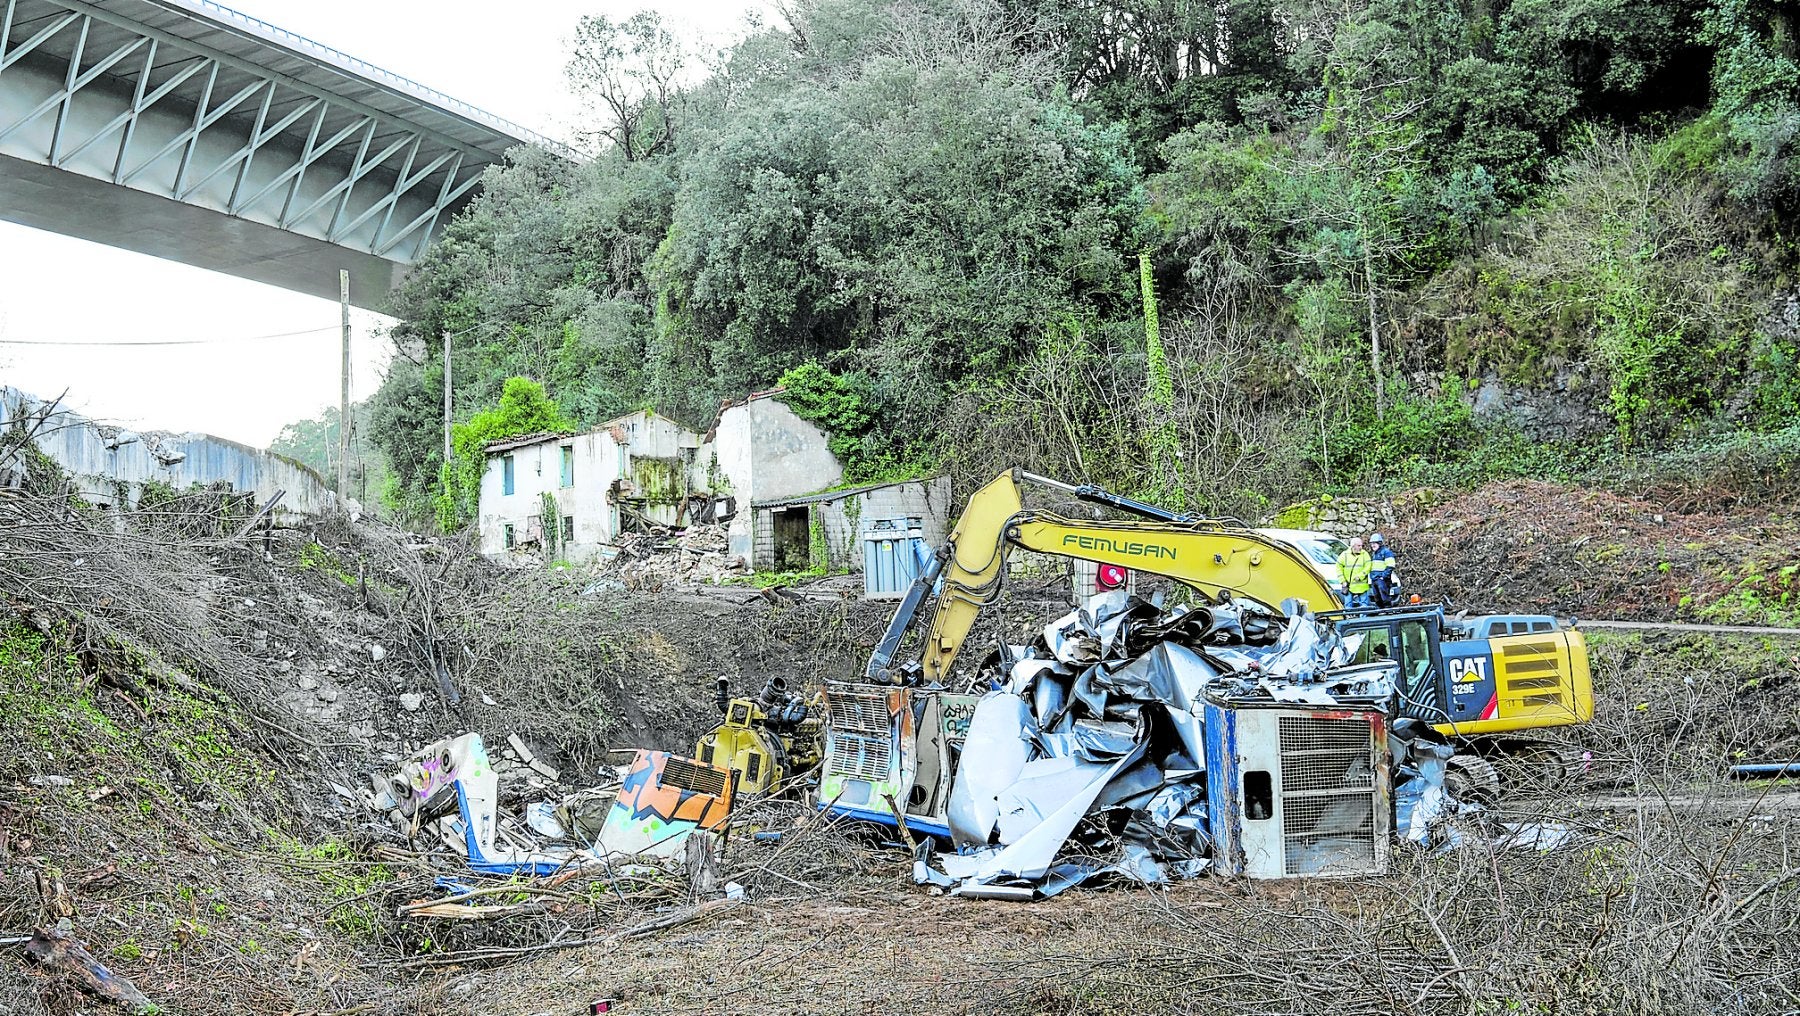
(1468, 670)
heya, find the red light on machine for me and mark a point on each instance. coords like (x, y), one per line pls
(1111, 576)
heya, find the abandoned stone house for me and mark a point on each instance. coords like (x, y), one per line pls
(760, 467)
(574, 493)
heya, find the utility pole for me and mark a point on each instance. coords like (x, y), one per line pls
(343, 469)
(447, 448)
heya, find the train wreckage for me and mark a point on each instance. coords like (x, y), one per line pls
(1239, 732)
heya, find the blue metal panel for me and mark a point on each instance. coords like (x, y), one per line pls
(1223, 789)
(891, 556)
(1469, 674)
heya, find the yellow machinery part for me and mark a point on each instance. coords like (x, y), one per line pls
(748, 751)
(1541, 679)
(1210, 556)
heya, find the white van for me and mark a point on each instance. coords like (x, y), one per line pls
(1321, 550)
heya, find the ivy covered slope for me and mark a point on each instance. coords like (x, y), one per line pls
(1412, 241)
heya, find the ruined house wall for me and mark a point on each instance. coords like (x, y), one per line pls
(537, 470)
(767, 452)
(662, 464)
(649, 456)
(651, 435)
(111, 464)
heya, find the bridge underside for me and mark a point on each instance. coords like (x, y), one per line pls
(49, 199)
(175, 128)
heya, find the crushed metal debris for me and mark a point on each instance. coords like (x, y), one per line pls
(1126, 742)
(450, 790)
(1130, 742)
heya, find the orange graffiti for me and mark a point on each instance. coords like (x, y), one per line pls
(648, 793)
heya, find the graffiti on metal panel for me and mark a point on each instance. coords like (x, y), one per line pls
(958, 713)
(645, 795)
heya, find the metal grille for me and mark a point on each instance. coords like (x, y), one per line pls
(1529, 673)
(1329, 769)
(1328, 833)
(860, 711)
(1324, 733)
(864, 758)
(685, 775)
(1328, 793)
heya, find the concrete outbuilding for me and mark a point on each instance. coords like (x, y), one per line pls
(791, 533)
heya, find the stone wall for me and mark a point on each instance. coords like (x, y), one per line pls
(1340, 516)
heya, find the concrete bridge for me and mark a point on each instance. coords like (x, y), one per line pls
(182, 129)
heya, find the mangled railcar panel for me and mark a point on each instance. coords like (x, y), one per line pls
(944, 720)
(663, 800)
(883, 743)
(1298, 791)
(869, 750)
(450, 790)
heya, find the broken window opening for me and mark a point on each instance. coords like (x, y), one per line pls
(568, 529)
(1377, 646)
(1415, 654)
(568, 465)
(506, 482)
(506, 533)
(1259, 795)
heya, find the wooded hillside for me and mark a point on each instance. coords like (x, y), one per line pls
(1429, 241)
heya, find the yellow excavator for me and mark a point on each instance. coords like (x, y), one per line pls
(891, 740)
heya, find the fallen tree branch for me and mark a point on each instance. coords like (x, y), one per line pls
(59, 952)
(468, 912)
(679, 918)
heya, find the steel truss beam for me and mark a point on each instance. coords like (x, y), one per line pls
(87, 90)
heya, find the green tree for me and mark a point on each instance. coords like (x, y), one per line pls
(630, 74)
(314, 442)
(1756, 95)
(523, 409)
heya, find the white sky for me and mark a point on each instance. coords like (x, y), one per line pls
(56, 288)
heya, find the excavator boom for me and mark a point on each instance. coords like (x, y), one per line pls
(1210, 555)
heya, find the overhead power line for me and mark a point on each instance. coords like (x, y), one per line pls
(71, 343)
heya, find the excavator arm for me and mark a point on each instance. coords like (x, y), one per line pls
(1211, 555)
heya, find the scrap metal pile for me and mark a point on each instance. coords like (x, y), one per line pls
(1094, 742)
(1126, 741)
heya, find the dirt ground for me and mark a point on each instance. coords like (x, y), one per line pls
(1473, 931)
(1530, 546)
(204, 849)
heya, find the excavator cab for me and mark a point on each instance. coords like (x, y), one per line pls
(1409, 638)
(1491, 675)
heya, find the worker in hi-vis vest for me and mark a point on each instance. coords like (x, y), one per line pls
(1384, 579)
(1354, 569)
